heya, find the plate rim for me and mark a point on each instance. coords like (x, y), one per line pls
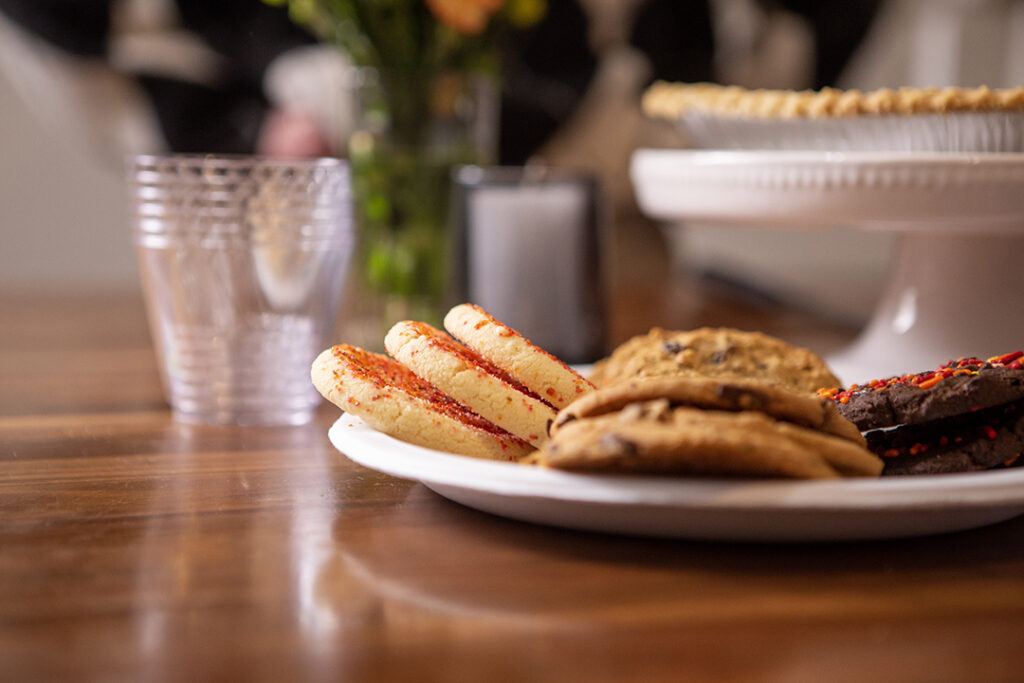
(367, 447)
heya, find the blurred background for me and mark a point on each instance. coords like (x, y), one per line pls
(83, 83)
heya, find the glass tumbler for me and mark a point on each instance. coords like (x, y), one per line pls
(242, 261)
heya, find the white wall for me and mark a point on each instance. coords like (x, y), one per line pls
(62, 217)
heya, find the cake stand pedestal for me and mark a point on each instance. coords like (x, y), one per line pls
(956, 285)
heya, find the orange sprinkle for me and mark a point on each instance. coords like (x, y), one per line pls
(1006, 357)
(929, 383)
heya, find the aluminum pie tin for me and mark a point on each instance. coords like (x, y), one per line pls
(985, 132)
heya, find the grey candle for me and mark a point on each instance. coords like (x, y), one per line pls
(530, 243)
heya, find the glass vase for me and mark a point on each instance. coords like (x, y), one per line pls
(413, 129)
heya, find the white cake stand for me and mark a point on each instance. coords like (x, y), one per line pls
(957, 282)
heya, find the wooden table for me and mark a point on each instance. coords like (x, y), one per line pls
(134, 548)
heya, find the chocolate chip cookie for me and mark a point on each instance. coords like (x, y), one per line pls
(734, 395)
(715, 352)
(652, 437)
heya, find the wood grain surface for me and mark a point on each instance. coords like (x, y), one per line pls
(134, 548)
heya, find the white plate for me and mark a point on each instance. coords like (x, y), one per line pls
(696, 508)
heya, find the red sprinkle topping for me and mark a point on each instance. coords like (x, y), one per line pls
(997, 418)
(388, 374)
(926, 380)
(507, 331)
(441, 340)
(1006, 358)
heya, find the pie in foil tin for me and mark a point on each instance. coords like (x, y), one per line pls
(980, 120)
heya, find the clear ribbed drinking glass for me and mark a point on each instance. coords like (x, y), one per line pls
(242, 261)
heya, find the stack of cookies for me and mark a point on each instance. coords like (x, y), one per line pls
(709, 402)
(964, 416)
(707, 426)
(715, 352)
(484, 390)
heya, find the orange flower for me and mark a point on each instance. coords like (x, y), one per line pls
(465, 16)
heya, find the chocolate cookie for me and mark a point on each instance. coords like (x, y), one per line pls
(959, 386)
(733, 395)
(715, 352)
(651, 437)
(981, 440)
